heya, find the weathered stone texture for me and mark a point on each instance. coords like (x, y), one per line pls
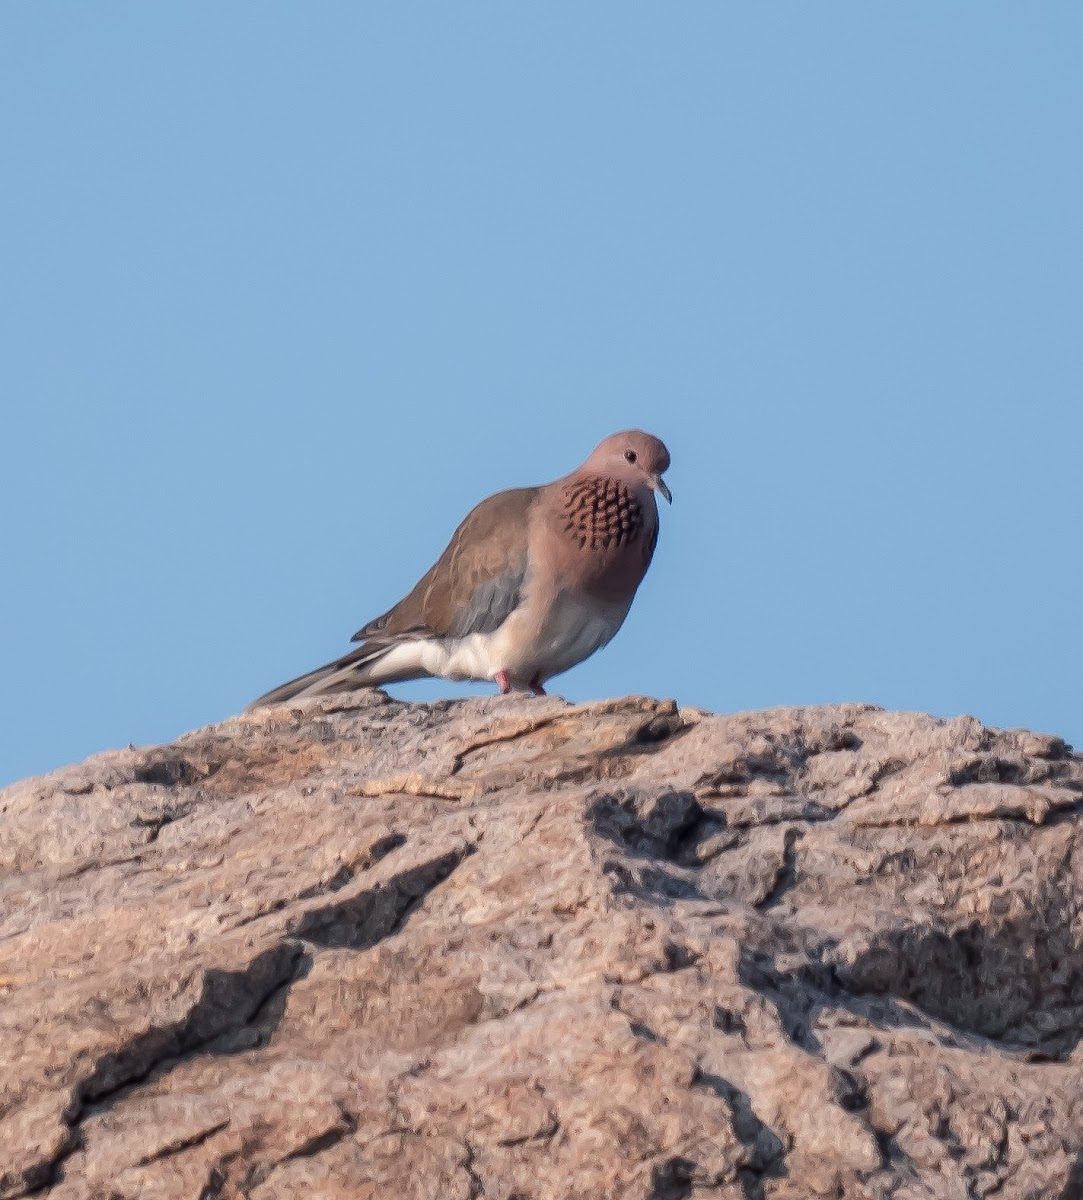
(512, 948)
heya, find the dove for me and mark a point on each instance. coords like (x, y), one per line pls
(533, 581)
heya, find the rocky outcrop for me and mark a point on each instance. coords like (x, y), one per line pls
(515, 948)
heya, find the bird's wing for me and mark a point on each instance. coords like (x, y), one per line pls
(475, 585)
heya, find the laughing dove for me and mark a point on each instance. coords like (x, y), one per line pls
(533, 582)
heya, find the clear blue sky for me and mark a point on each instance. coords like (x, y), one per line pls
(287, 288)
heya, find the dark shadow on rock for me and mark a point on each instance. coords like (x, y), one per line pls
(797, 995)
(651, 884)
(649, 825)
(230, 1001)
(800, 994)
(1073, 1187)
(780, 760)
(236, 1010)
(786, 878)
(766, 1152)
(346, 873)
(1017, 981)
(169, 769)
(361, 921)
(672, 1180)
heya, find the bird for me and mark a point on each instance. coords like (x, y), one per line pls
(533, 581)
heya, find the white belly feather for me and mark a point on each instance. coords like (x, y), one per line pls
(525, 647)
(574, 629)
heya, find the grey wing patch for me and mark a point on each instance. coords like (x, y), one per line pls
(491, 604)
(376, 627)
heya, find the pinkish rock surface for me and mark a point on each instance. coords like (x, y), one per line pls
(512, 948)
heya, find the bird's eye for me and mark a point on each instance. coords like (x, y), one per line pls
(630, 455)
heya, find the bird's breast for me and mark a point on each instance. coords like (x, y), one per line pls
(601, 514)
(602, 537)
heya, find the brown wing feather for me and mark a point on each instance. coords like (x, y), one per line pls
(472, 584)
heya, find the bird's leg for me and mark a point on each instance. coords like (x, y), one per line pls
(536, 685)
(502, 679)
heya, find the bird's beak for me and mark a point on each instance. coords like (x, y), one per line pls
(660, 486)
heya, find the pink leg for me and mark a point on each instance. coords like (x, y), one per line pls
(536, 685)
(502, 679)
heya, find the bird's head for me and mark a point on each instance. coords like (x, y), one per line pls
(633, 455)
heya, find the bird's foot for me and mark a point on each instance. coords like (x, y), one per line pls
(502, 680)
(536, 686)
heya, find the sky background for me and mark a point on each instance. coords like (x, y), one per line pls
(285, 289)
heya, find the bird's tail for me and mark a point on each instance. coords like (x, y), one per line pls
(367, 666)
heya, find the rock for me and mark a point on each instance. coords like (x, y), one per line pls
(513, 948)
